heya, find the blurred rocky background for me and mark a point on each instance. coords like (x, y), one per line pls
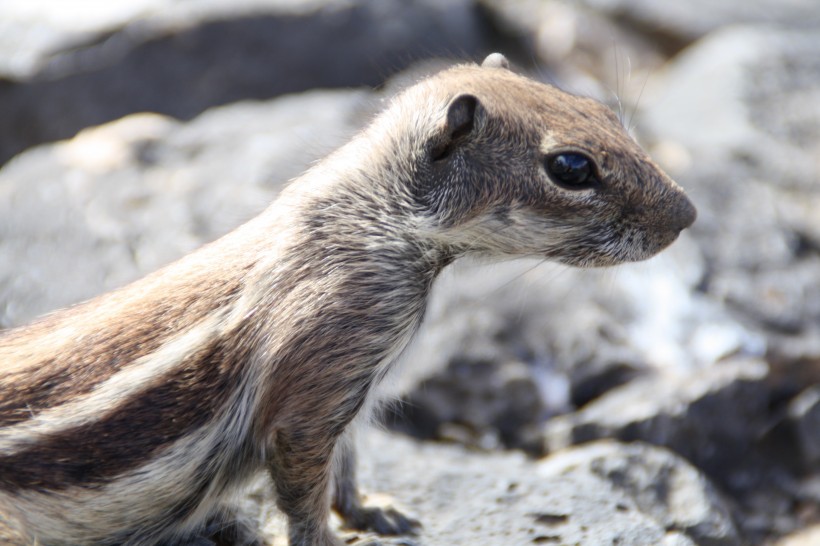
(674, 402)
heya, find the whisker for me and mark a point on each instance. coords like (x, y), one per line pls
(617, 92)
(635, 109)
(518, 276)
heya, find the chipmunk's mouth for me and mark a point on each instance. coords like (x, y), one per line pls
(632, 244)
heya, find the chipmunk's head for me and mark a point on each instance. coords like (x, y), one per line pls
(509, 166)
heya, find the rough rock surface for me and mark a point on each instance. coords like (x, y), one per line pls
(123, 199)
(674, 411)
(760, 90)
(711, 350)
(600, 493)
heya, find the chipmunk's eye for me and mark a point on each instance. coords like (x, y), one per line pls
(571, 170)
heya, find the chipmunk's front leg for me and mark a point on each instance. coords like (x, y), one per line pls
(348, 503)
(301, 468)
(302, 462)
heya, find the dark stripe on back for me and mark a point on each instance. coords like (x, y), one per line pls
(99, 352)
(137, 431)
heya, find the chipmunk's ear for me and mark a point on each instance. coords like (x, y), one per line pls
(496, 60)
(461, 114)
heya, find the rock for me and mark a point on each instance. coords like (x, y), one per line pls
(678, 23)
(602, 493)
(678, 412)
(738, 114)
(506, 348)
(758, 88)
(735, 119)
(481, 404)
(655, 482)
(70, 68)
(118, 201)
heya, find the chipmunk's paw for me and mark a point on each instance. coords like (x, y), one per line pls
(384, 521)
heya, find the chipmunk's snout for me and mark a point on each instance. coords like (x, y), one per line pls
(683, 213)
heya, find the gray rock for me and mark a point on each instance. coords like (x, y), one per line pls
(758, 89)
(735, 120)
(739, 112)
(116, 202)
(481, 404)
(679, 23)
(564, 337)
(712, 417)
(657, 483)
(72, 67)
(602, 493)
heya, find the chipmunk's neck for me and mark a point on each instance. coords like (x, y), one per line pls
(341, 222)
(345, 295)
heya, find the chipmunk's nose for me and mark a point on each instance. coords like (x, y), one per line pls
(683, 213)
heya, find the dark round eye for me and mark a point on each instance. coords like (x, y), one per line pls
(571, 170)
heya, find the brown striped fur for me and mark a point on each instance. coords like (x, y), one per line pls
(135, 417)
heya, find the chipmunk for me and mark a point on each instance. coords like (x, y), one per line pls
(135, 417)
